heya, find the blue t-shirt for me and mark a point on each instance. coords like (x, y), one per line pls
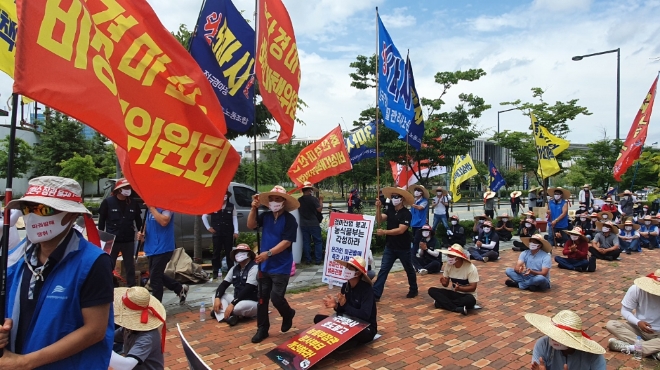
(555, 360)
(536, 261)
(273, 232)
(158, 239)
(556, 210)
(419, 216)
(649, 229)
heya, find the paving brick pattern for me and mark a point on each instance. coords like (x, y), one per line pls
(415, 335)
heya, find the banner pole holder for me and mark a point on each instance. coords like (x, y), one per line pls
(377, 111)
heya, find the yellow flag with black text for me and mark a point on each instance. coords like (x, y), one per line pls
(463, 169)
(548, 147)
(8, 30)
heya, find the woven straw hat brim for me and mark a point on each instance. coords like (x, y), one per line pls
(358, 269)
(130, 319)
(615, 229)
(58, 204)
(545, 245)
(610, 216)
(566, 193)
(648, 285)
(290, 204)
(515, 194)
(408, 198)
(425, 191)
(489, 194)
(444, 192)
(452, 253)
(571, 232)
(484, 217)
(571, 340)
(635, 226)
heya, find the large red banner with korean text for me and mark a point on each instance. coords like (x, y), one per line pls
(112, 65)
(326, 157)
(278, 68)
(304, 350)
(632, 147)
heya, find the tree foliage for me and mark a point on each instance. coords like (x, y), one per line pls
(62, 137)
(595, 165)
(648, 171)
(23, 157)
(80, 168)
(512, 177)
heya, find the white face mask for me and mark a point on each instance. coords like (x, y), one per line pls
(534, 246)
(605, 217)
(451, 261)
(426, 234)
(647, 223)
(628, 228)
(486, 229)
(594, 220)
(557, 196)
(583, 218)
(225, 198)
(349, 274)
(646, 210)
(557, 346)
(275, 206)
(582, 208)
(44, 228)
(241, 256)
(439, 193)
(481, 221)
(574, 237)
(606, 229)
(454, 222)
(505, 219)
(126, 192)
(418, 193)
(527, 224)
(396, 201)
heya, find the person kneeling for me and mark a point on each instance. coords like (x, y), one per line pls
(243, 276)
(356, 299)
(488, 244)
(576, 250)
(532, 270)
(427, 259)
(458, 292)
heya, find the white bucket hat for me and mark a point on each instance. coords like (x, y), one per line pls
(60, 193)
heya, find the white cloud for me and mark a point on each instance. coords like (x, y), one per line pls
(562, 5)
(398, 19)
(508, 64)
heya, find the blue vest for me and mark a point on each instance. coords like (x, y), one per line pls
(270, 237)
(158, 239)
(419, 216)
(555, 211)
(58, 311)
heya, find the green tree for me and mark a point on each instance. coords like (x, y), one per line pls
(646, 171)
(183, 36)
(80, 169)
(596, 163)
(512, 177)
(60, 139)
(23, 157)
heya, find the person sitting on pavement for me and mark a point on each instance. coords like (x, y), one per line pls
(583, 222)
(459, 279)
(643, 213)
(629, 237)
(644, 299)
(141, 320)
(478, 225)
(648, 233)
(489, 203)
(243, 276)
(427, 259)
(582, 209)
(526, 231)
(356, 299)
(532, 270)
(605, 245)
(504, 227)
(523, 218)
(576, 250)
(455, 233)
(558, 215)
(487, 246)
(419, 209)
(565, 344)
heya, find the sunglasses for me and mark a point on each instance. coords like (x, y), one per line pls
(38, 209)
(394, 196)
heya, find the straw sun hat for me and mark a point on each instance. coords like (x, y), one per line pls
(408, 198)
(489, 194)
(610, 216)
(650, 283)
(515, 194)
(565, 192)
(457, 251)
(545, 245)
(360, 265)
(577, 231)
(425, 192)
(290, 203)
(613, 228)
(136, 309)
(566, 328)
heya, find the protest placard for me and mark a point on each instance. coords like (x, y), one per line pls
(349, 235)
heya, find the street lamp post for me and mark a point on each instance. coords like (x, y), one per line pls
(498, 117)
(618, 79)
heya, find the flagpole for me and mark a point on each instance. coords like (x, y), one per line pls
(538, 159)
(254, 122)
(377, 139)
(6, 220)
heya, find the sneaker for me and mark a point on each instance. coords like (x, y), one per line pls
(616, 345)
(515, 249)
(288, 322)
(510, 283)
(412, 294)
(232, 320)
(260, 336)
(533, 288)
(183, 294)
(656, 356)
(485, 259)
(627, 251)
(462, 310)
(423, 271)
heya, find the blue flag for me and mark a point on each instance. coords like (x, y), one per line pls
(416, 131)
(394, 86)
(496, 179)
(223, 46)
(357, 151)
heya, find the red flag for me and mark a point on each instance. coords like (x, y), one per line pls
(113, 66)
(278, 68)
(403, 173)
(634, 144)
(326, 157)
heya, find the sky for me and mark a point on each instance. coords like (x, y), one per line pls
(520, 44)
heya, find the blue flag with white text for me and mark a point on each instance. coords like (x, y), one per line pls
(223, 46)
(416, 130)
(496, 179)
(355, 143)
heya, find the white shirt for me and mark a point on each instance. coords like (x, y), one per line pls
(234, 218)
(646, 306)
(439, 208)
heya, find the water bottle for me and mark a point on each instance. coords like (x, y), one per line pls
(202, 312)
(638, 349)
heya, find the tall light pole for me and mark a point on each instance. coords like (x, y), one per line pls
(498, 117)
(618, 79)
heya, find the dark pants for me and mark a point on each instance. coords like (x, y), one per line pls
(479, 254)
(389, 256)
(609, 256)
(504, 235)
(650, 242)
(365, 336)
(312, 234)
(272, 288)
(571, 263)
(450, 300)
(127, 250)
(432, 265)
(520, 245)
(221, 243)
(490, 213)
(157, 277)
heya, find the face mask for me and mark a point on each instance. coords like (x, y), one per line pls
(349, 274)
(527, 224)
(594, 219)
(557, 196)
(481, 221)
(275, 206)
(606, 229)
(225, 198)
(241, 256)
(647, 223)
(582, 208)
(557, 346)
(574, 237)
(126, 192)
(426, 234)
(44, 228)
(533, 246)
(646, 209)
(505, 219)
(451, 261)
(628, 228)
(439, 193)
(486, 229)
(583, 218)
(396, 201)
(454, 222)
(605, 217)
(418, 193)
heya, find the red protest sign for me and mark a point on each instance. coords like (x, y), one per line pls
(311, 346)
(278, 68)
(325, 158)
(114, 66)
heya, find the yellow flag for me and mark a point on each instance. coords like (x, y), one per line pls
(8, 29)
(548, 147)
(463, 169)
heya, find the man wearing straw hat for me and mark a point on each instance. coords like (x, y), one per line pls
(558, 211)
(526, 230)
(243, 277)
(504, 227)
(532, 270)
(605, 245)
(478, 225)
(565, 344)
(648, 233)
(459, 279)
(586, 196)
(456, 234)
(629, 237)
(489, 203)
(626, 205)
(427, 258)
(356, 299)
(310, 225)
(279, 232)
(576, 250)
(397, 239)
(487, 245)
(440, 206)
(516, 203)
(644, 299)
(139, 315)
(584, 222)
(121, 216)
(59, 293)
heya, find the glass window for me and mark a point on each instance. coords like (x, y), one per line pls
(243, 196)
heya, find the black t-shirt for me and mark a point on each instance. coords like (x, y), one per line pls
(308, 209)
(394, 219)
(489, 238)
